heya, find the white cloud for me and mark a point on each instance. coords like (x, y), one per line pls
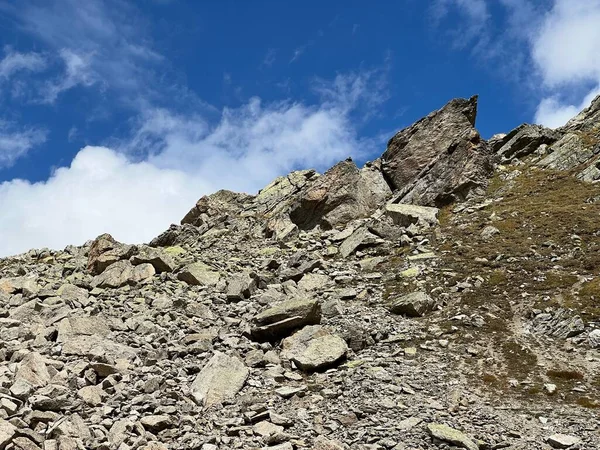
(15, 143)
(14, 62)
(78, 72)
(565, 53)
(551, 112)
(100, 191)
(151, 180)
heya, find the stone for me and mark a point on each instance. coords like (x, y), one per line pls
(314, 348)
(105, 251)
(280, 320)
(313, 282)
(156, 423)
(199, 274)
(358, 239)
(241, 286)
(562, 440)
(219, 380)
(123, 273)
(322, 443)
(415, 304)
(159, 259)
(342, 194)
(34, 371)
(7, 432)
(579, 146)
(594, 338)
(447, 434)
(489, 232)
(221, 204)
(92, 395)
(405, 215)
(265, 428)
(440, 159)
(523, 141)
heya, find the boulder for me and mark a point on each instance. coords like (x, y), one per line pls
(241, 286)
(322, 443)
(360, 238)
(123, 273)
(342, 194)
(404, 215)
(215, 208)
(105, 251)
(282, 319)
(415, 304)
(441, 158)
(7, 432)
(160, 259)
(562, 440)
(199, 274)
(314, 348)
(447, 434)
(220, 380)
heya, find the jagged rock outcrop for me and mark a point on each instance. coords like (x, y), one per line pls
(441, 158)
(523, 141)
(579, 147)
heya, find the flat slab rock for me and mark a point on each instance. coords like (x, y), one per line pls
(452, 436)
(563, 440)
(220, 380)
(415, 304)
(280, 320)
(314, 348)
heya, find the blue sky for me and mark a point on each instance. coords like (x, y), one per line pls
(118, 115)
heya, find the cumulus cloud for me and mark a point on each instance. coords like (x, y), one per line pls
(15, 142)
(143, 184)
(100, 191)
(565, 52)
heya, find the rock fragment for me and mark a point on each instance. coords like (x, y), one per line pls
(220, 380)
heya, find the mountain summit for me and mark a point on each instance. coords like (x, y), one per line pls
(445, 295)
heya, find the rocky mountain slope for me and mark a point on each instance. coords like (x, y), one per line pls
(445, 295)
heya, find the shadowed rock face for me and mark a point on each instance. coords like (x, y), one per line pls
(439, 159)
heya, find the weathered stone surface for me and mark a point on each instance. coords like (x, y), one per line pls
(563, 440)
(452, 436)
(579, 147)
(218, 205)
(322, 443)
(358, 239)
(282, 319)
(220, 380)
(439, 159)
(34, 371)
(105, 251)
(199, 274)
(160, 260)
(413, 305)
(342, 194)
(7, 432)
(241, 286)
(123, 273)
(524, 140)
(314, 348)
(405, 215)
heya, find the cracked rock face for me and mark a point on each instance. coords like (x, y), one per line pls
(341, 311)
(439, 159)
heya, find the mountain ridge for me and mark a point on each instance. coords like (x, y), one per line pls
(444, 295)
